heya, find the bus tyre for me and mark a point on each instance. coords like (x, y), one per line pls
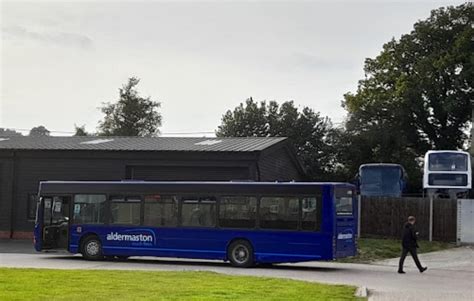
(240, 254)
(92, 248)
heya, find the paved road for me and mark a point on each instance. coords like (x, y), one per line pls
(450, 275)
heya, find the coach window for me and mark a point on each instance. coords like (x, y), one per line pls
(237, 212)
(161, 211)
(279, 213)
(125, 210)
(89, 209)
(198, 212)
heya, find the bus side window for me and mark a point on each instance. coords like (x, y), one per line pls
(198, 212)
(310, 214)
(89, 209)
(237, 212)
(279, 213)
(125, 211)
(161, 211)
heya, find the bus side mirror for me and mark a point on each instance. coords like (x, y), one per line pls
(356, 182)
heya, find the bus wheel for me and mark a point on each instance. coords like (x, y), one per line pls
(92, 248)
(240, 254)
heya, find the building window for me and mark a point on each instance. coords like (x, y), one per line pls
(161, 211)
(125, 210)
(198, 212)
(88, 209)
(32, 203)
(237, 212)
(279, 213)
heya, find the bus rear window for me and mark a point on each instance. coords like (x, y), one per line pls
(448, 161)
(343, 201)
(447, 179)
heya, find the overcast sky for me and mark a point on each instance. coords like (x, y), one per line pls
(61, 60)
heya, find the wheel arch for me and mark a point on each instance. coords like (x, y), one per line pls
(86, 235)
(229, 243)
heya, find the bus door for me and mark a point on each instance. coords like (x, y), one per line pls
(56, 215)
(346, 222)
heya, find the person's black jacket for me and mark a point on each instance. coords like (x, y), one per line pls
(409, 237)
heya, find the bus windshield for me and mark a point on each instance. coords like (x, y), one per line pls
(448, 162)
(380, 180)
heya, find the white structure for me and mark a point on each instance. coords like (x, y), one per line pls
(447, 170)
(465, 226)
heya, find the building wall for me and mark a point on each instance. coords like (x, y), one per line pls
(277, 164)
(21, 173)
(6, 174)
(187, 173)
(31, 170)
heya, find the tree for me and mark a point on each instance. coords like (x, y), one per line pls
(39, 131)
(81, 131)
(307, 130)
(416, 94)
(9, 133)
(131, 115)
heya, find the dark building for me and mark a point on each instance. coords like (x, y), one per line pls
(25, 161)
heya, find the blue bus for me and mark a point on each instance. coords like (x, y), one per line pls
(381, 179)
(246, 223)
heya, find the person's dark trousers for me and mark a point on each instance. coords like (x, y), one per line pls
(412, 251)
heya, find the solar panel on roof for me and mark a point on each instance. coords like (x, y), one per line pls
(203, 144)
(208, 142)
(97, 141)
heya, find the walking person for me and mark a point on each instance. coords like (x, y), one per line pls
(409, 245)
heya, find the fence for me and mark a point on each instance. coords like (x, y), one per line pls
(385, 217)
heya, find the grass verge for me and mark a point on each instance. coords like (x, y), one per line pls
(46, 284)
(373, 249)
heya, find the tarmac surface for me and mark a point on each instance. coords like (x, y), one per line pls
(450, 275)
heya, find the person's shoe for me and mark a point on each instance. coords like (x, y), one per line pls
(401, 272)
(423, 269)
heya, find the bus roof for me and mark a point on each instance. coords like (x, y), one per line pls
(133, 186)
(446, 151)
(380, 165)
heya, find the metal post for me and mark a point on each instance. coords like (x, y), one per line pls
(472, 129)
(458, 222)
(359, 210)
(431, 217)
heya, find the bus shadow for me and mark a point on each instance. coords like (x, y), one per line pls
(305, 268)
(195, 263)
(16, 246)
